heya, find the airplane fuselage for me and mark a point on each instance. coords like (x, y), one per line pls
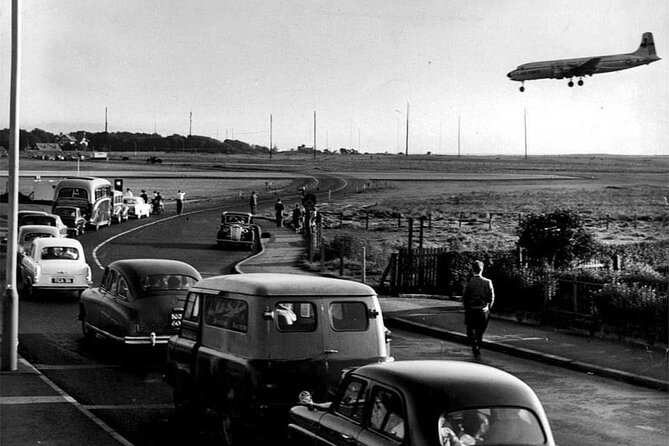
(586, 66)
(560, 69)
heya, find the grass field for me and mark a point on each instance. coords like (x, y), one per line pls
(628, 192)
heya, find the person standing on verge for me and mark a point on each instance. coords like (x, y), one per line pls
(478, 299)
(254, 202)
(278, 213)
(180, 201)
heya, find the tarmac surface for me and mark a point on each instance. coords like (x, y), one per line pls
(33, 409)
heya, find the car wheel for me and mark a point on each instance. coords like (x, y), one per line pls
(28, 290)
(233, 433)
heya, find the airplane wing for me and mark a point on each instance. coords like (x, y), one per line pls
(587, 68)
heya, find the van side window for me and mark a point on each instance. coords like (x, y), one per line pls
(231, 314)
(352, 401)
(192, 308)
(349, 316)
(295, 316)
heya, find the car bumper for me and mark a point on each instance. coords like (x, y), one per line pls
(152, 339)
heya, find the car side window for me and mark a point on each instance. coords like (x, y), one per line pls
(113, 280)
(386, 413)
(123, 290)
(349, 316)
(295, 316)
(192, 308)
(352, 401)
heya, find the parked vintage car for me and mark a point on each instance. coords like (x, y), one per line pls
(39, 218)
(416, 403)
(28, 233)
(237, 229)
(138, 302)
(137, 207)
(72, 218)
(120, 210)
(53, 264)
(249, 342)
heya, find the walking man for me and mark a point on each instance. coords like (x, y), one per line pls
(254, 202)
(278, 213)
(478, 299)
(180, 201)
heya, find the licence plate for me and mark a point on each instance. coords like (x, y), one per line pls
(175, 318)
(62, 280)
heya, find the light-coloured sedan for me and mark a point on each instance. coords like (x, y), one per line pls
(53, 264)
(137, 207)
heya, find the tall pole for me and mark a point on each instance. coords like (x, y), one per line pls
(190, 125)
(407, 139)
(106, 139)
(314, 134)
(10, 304)
(525, 126)
(458, 136)
(270, 137)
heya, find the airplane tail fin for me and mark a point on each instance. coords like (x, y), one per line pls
(647, 47)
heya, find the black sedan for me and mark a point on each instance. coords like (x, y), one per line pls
(138, 302)
(437, 403)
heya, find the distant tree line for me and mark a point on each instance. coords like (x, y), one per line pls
(129, 142)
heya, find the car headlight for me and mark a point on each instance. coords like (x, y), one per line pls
(38, 272)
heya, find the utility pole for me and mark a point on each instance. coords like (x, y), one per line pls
(10, 303)
(525, 126)
(458, 136)
(407, 140)
(314, 134)
(190, 125)
(106, 139)
(270, 137)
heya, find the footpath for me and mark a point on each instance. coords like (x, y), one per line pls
(633, 363)
(33, 410)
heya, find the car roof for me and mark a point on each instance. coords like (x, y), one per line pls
(44, 242)
(30, 211)
(245, 214)
(277, 284)
(454, 384)
(137, 269)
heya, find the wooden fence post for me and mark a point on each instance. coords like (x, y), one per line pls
(341, 219)
(489, 221)
(341, 261)
(607, 221)
(364, 264)
(366, 219)
(460, 220)
(399, 220)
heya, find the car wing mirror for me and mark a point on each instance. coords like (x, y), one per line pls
(372, 313)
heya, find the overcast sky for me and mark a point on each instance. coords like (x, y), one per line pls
(355, 63)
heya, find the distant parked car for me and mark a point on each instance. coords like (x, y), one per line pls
(137, 207)
(53, 264)
(138, 302)
(72, 218)
(39, 218)
(416, 403)
(28, 233)
(119, 208)
(154, 160)
(237, 229)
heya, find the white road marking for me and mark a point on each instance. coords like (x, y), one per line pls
(104, 426)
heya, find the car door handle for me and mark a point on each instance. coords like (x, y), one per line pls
(348, 439)
(331, 351)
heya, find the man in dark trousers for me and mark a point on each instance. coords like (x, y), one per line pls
(478, 299)
(278, 213)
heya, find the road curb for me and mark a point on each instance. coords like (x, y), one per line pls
(619, 375)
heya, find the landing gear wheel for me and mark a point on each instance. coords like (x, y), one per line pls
(571, 84)
(522, 88)
(580, 82)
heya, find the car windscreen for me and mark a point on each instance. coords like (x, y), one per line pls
(167, 282)
(38, 220)
(490, 425)
(66, 212)
(33, 235)
(60, 253)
